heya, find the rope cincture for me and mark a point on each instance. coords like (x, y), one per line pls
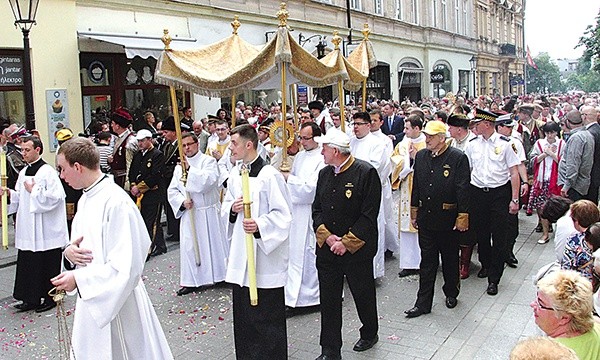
(64, 335)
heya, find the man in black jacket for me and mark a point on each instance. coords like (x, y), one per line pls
(345, 213)
(439, 209)
(145, 175)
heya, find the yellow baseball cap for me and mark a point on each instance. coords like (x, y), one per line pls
(64, 134)
(435, 127)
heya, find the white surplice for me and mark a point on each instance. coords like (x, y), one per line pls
(410, 252)
(271, 210)
(372, 150)
(203, 188)
(302, 288)
(391, 227)
(41, 214)
(114, 318)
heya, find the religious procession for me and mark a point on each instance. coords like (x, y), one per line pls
(257, 214)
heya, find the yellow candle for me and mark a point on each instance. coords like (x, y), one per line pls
(3, 178)
(249, 237)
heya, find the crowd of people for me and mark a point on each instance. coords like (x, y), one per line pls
(459, 170)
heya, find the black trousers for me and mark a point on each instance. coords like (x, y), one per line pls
(34, 271)
(575, 195)
(434, 243)
(151, 215)
(592, 194)
(362, 286)
(259, 331)
(490, 220)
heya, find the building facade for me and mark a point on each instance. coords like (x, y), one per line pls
(102, 54)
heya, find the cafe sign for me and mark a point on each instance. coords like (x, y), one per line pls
(11, 70)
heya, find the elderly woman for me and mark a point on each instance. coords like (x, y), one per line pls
(578, 254)
(563, 310)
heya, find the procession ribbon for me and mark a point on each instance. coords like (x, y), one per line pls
(4, 179)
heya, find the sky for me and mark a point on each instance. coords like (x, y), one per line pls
(555, 26)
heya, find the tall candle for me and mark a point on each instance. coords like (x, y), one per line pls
(245, 173)
(3, 178)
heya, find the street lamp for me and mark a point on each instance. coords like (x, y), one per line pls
(24, 12)
(473, 62)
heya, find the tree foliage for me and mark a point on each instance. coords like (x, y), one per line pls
(591, 41)
(546, 78)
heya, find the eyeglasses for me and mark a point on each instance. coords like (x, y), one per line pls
(360, 123)
(539, 305)
(306, 138)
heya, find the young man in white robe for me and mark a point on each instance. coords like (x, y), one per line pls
(366, 146)
(41, 228)
(302, 288)
(391, 228)
(402, 179)
(109, 244)
(259, 331)
(198, 198)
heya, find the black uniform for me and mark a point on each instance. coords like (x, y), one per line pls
(171, 153)
(440, 197)
(347, 204)
(146, 173)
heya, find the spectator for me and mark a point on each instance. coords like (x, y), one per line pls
(557, 210)
(541, 348)
(563, 310)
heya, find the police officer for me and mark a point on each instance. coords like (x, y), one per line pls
(494, 194)
(145, 175)
(439, 210)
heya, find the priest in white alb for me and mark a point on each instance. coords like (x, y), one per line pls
(203, 204)
(367, 147)
(402, 178)
(302, 288)
(114, 318)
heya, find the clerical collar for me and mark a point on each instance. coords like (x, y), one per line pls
(256, 166)
(33, 168)
(465, 138)
(104, 176)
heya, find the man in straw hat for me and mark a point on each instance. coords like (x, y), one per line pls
(439, 210)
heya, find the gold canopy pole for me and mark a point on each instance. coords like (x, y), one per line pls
(235, 24)
(4, 179)
(166, 39)
(282, 15)
(232, 111)
(364, 95)
(295, 106)
(336, 40)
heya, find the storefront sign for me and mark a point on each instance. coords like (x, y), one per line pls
(58, 118)
(302, 95)
(11, 70)
(436, 77)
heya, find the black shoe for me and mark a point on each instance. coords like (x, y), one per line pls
(483, 273)
(158, 251)
(512, 261)
(293, 311)
(25, 306)
(45, 306)
(408, 272)
(451, 302)
(329, 357)
(492, 289)
(172, 238)
(539, 228)
(362, 344)
(415, 312)
(186, 290)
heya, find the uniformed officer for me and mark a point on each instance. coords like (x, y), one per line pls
(170, 150)
(439, 210)
(494, 194)
(145, 175)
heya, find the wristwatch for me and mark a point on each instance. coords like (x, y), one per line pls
(516, 201)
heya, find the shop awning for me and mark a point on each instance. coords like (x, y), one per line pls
(131, 45)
